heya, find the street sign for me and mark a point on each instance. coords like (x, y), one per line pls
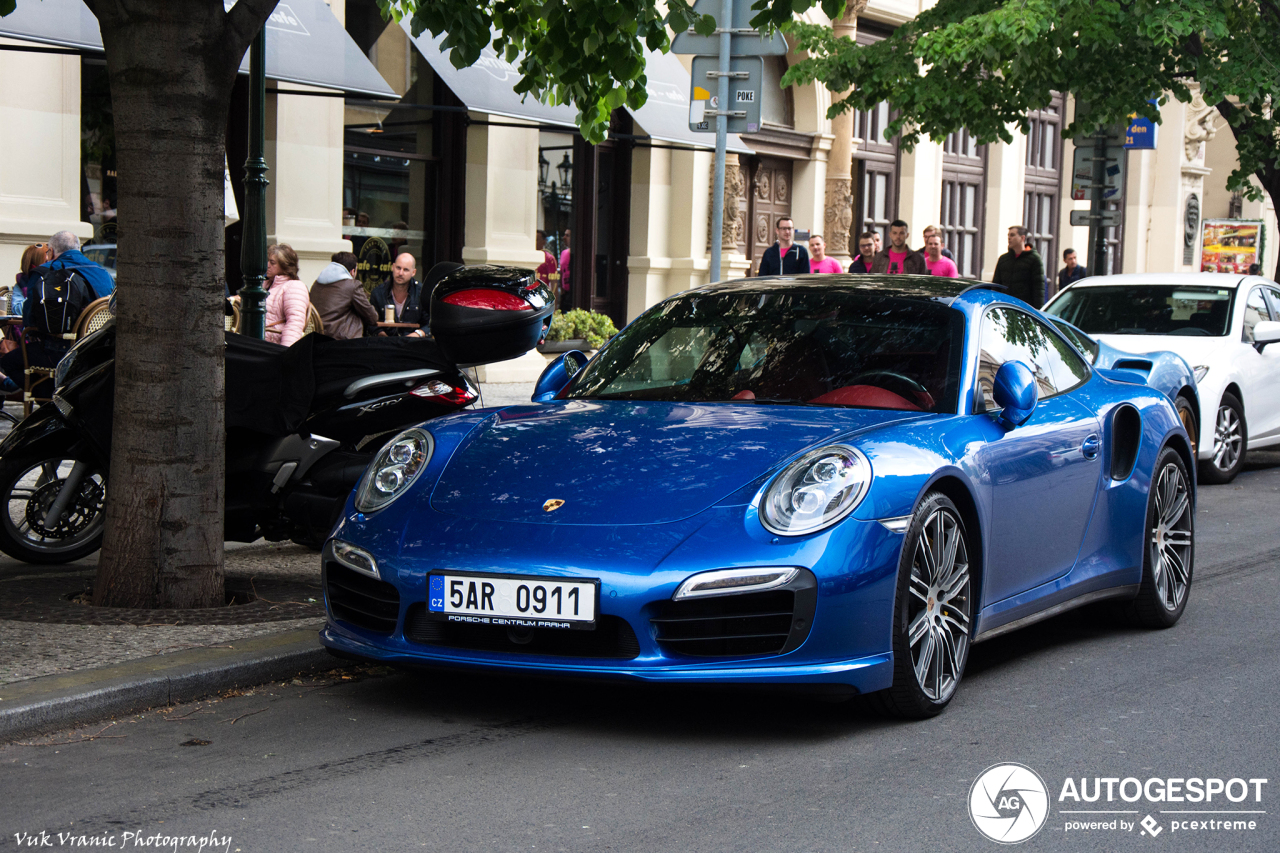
(743, 105)
(1110, 218)
(1082, 170)
(748, 42)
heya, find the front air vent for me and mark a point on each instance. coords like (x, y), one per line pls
(360, 600)
(612, 637)
(1126, 434)
(773, 622)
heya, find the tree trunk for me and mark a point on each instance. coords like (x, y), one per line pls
(172, 64)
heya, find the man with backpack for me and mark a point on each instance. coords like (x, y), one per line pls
(57, 294)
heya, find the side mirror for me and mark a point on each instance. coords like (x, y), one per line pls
(1015, 393)
(1265, 332)
(557, 375)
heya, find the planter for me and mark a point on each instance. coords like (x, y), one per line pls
(565, 346)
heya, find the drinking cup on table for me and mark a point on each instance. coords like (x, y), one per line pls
(389, 314)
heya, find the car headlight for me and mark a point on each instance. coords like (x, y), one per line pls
(64, 367)
(1201, 371)
(815, 491)
(394, 469)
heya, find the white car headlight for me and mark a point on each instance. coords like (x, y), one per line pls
(815, 491)
(394, 469)
(1201, 371)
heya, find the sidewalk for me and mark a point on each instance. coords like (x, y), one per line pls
(64, 662)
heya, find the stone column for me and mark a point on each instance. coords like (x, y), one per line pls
(733, 264)
(838, 215)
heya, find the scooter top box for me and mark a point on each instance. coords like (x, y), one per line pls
(484, 314)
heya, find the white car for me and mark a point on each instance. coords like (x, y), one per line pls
(1221, 324)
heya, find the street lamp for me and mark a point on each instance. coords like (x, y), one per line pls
(543, 166)
(565, 169)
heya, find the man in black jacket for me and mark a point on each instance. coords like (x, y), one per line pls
(403, 292)
(1020, 269)
(785, 257)
(898, 257)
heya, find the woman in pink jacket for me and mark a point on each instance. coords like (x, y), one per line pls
(287, 297)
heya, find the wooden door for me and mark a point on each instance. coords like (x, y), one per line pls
(770, 198)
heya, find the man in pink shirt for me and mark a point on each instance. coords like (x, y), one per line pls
(933, 259)
(818, 260)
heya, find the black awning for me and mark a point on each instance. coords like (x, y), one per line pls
(305, 42)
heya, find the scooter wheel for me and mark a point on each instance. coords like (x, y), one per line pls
(31, 486)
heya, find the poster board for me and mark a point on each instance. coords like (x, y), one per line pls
(1231, 245)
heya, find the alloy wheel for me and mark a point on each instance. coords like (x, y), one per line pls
(939, 609)
(1227, 439)
(1171, 537)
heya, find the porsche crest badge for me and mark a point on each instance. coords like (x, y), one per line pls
(552, 505)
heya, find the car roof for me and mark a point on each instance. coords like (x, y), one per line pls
(925, 287)
(1186, 279)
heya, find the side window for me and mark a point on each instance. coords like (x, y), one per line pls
(1255, 311)
(1273, 297)
(1009, 335)
(1068, 368)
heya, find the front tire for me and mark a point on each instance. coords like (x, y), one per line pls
(29, 486)
(932, 614)
(1168, 546)
(1230, 437)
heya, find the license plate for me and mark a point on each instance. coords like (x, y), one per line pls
(517, 601)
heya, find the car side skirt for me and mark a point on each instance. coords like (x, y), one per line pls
(1122, 592)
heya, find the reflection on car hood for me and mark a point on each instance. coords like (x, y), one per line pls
(629, 462)
(1187, 346)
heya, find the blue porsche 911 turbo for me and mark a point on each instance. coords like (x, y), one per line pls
(819, 480)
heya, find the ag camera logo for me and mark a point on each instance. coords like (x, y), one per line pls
(1008, 803)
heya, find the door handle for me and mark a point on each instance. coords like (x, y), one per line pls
(1091, 446)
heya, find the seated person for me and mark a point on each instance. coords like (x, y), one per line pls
(340, 300)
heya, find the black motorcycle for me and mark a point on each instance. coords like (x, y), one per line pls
(303, 423)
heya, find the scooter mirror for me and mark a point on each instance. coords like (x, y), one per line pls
(557, 375)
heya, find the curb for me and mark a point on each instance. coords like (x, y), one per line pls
(56, 702)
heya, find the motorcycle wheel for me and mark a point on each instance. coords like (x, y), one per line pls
(29, 485)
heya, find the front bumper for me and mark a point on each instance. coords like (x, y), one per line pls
(851, 571)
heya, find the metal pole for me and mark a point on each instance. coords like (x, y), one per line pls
(1098, 234)
(253, 252)
(722, 136)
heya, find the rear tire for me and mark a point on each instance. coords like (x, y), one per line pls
(1168, 546)
(932, 613)
(1230, 438)
(1187, 414)
(29, 484)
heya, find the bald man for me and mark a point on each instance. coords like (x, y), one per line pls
(403, 292)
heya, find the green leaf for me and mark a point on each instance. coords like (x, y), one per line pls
(7, 6)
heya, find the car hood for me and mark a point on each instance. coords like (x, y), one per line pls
(626, 462)
(1196, 350)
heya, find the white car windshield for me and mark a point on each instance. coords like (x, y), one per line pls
(1147, 310)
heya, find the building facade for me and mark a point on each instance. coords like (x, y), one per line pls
(453, 166)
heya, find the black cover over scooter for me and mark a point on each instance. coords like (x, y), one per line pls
(271, 389)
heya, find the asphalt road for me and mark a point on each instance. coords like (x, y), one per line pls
(390, 761)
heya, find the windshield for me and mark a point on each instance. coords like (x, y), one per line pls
(1082, 342)
(805, 344)
(1147, 310)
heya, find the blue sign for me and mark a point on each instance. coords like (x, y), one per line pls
(1141, 132)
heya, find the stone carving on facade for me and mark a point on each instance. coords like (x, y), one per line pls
(838, 217)
(1201, 127)
(735, 188)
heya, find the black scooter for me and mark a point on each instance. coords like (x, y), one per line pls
(303, 423)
